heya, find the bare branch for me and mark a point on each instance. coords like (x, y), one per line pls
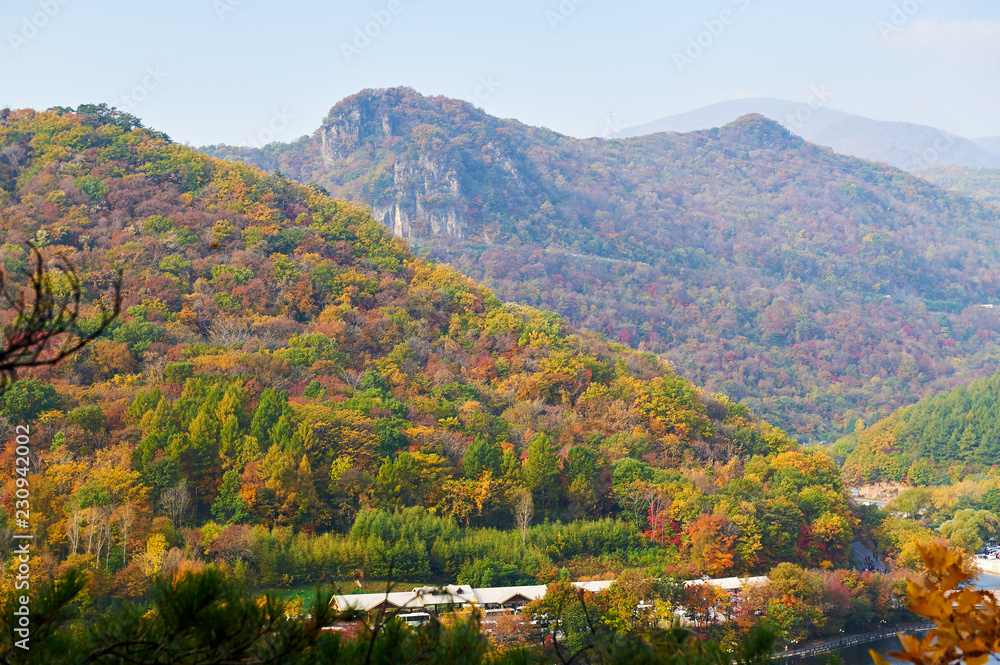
(46, 310)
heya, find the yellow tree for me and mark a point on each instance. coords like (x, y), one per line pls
(628, 602)
(152, 559)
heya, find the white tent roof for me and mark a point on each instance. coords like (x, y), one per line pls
(463, 594)
(730, 583)
(367, 601)
(501, 594)
(595, 586)
(453, 594)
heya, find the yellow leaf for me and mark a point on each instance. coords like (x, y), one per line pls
(910, 643)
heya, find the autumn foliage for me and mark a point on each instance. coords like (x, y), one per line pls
(966, 620)
(293, 395)
(814, 287)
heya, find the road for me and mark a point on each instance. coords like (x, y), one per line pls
(860, 552)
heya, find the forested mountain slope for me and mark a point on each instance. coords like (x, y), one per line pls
(938, 440)
(982, 184)
(813, 287)
(287, 374)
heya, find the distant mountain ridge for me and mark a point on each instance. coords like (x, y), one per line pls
(906, 146)
(817, 288)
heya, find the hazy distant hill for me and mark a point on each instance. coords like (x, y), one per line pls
(983, 184)
(904, 145)
(991, 143)
(815, 287)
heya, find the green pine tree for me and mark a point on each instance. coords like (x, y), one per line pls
(542, 470)
(272, 405)
(229, 505)
(482, 454)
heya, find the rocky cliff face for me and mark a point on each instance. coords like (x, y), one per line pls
(405, 221)
(426, 165)
(426, 193)
(425, 196)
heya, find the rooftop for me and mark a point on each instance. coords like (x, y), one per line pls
(454, 594)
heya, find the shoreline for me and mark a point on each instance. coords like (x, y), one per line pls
(985, 565)
(850, 640)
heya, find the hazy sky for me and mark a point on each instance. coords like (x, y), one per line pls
(236, 71)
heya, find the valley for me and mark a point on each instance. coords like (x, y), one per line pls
(563, 333)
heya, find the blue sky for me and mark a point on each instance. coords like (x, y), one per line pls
(240, 71)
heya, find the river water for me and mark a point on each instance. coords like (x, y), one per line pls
(858, 653)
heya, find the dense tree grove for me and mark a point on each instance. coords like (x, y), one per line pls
(293, 396)
(939, 440)
(812, 287)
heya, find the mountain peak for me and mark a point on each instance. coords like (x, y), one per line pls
(758, 131)
(375, 97)
(900, 144)
(394, 111)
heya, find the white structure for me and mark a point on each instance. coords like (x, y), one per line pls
(985, 565)
(455, 595)
(508, 597)
(595, 587)
(731, 585)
